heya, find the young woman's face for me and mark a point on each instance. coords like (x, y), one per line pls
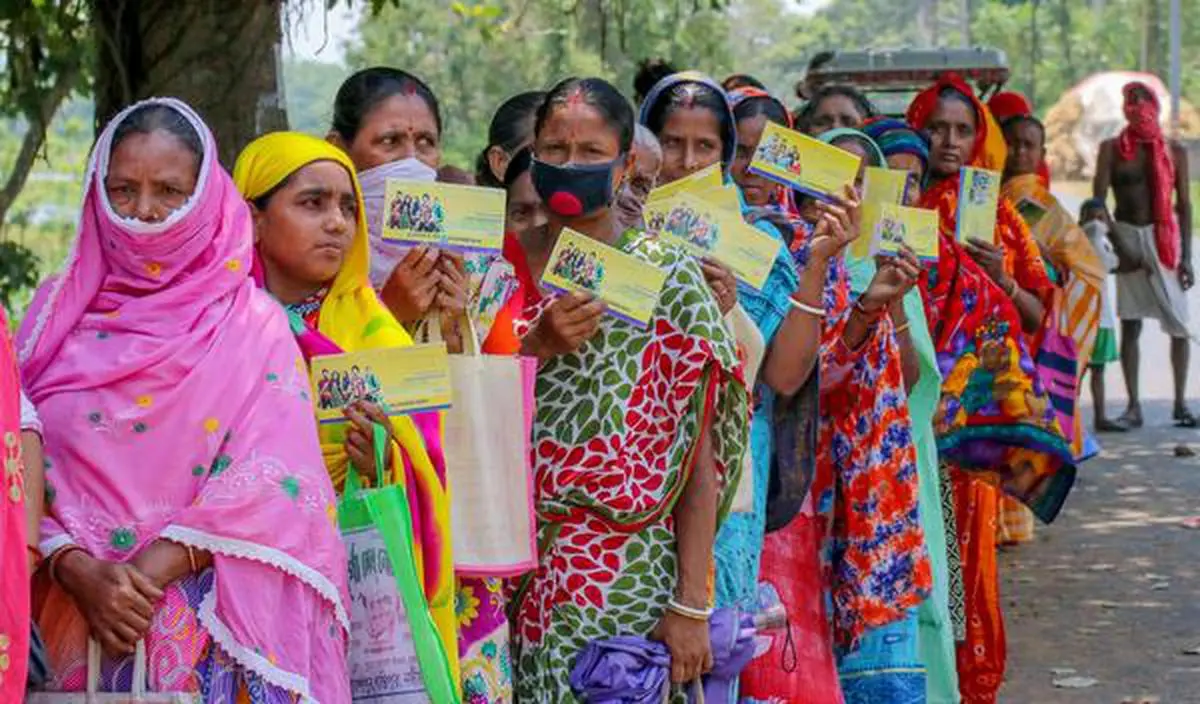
(756, 189)
(952, 131)
(691, 141)
(308, 225)
(399, 127)
(834, 112)
(916, 174)
(525, 214)
(150, 175)
(1025, 148)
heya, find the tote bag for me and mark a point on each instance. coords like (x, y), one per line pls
(487, 434)
(136, 695)
(396, 656)
(752, 345)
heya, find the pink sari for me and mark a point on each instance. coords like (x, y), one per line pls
(14, 588)
(176, 406)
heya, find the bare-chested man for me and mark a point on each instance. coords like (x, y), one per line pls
(1152, 238)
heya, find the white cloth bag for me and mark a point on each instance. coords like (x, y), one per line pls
(138, 693)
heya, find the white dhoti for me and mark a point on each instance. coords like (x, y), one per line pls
(1153, 291)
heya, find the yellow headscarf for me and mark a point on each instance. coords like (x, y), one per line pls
(353, 318)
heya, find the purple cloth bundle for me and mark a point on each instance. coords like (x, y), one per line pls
(635, 670)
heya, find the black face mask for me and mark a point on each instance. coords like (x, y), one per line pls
(574, 190)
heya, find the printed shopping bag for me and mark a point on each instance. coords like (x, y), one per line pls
(396, 656)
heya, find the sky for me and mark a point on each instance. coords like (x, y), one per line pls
(322, 34)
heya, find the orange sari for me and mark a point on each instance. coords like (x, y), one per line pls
(964, 302)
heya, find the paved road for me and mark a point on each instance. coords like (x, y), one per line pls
(1112, 589)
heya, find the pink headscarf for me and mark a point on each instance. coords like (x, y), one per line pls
(1143, 128)
(176, 406)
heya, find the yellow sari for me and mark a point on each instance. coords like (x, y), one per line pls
(352, 318)
(1076, 306)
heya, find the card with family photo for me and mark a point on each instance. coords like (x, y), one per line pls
(459, 218)
(628, 285)
(397, 379)
(809, 165)
(978, 201)
(897, 225)
(880, 187)
(706, 230)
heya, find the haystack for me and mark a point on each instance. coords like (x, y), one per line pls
(1091, 112)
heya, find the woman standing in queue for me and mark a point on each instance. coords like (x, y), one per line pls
(905, 149)
(994, 416)
(179, 441)
(690, 116)
(627, 508)
(390, 124)
(311, 256)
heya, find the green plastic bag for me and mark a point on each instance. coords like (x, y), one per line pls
(368, 517)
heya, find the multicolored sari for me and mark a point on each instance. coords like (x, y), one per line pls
(1075, 310)
(862, 505)
(994, 422)
(615, 440)
(349, 317)
(176, 407)
(14, 559)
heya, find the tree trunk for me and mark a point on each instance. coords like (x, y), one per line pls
(220, 56)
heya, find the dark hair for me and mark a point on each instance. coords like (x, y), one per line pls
(742, 80)
(511, 128)
(1017, 120)
(520, 162)
(363, 91)
(765, 106)
(649, 73)
(1091, 204)
(598, 93)
(688, 94)
(156, 117)
(951, 93)
(809, 111)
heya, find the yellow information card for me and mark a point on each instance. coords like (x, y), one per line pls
(628, 285)
(799, 161)
(978, 201)
(916, 227)
(880, 187)
(706, 230)
(702, 180)
(461, 218)
(398, 379)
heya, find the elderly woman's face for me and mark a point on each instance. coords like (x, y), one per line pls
(150, 175)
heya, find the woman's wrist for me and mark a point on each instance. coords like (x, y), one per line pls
(68, 566)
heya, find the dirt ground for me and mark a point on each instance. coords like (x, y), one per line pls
(1111, 591)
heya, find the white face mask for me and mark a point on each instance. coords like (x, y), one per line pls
(385, 255)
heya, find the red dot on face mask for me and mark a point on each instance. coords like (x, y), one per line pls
(565, 204)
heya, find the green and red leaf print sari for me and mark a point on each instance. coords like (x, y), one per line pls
(615, 439)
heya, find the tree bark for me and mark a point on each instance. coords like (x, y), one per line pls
(219, 56)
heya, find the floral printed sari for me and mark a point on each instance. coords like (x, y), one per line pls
(994, 422)
(616, 434)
